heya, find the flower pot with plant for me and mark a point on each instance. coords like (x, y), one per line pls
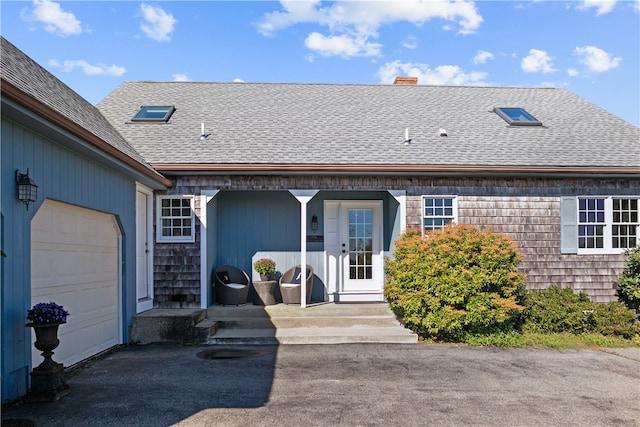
(265, 267)
(47, 380)
(45, 318)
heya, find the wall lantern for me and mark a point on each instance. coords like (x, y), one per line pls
(27, 188)
(314, 222)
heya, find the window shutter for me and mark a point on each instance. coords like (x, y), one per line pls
(568, 225)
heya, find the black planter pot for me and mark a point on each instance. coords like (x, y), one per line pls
(47, 381)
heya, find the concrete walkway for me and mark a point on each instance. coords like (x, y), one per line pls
(345, 385)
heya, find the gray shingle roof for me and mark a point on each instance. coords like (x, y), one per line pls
(25, 74)
(334, 124)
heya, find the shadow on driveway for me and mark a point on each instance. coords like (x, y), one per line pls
(347, 385)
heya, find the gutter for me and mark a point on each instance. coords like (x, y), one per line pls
(398, 169)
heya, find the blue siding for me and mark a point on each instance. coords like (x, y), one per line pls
(251, 221)
(64, 176)
(246, 224)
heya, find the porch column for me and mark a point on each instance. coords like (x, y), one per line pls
(303, 196)
(205, 197)
(401, 198)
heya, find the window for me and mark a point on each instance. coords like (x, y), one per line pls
(154, 114)
(175, 221)
(517, 116)
(438, 212)
(607, 224)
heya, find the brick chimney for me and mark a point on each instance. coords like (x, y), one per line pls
(405, 81)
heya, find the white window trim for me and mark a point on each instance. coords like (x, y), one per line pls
(431, 196)
(608, 227)
(174, 239)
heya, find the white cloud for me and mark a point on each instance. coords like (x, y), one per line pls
(88, 69)
(602, 6)
(343, 45)
(444, 75)
(410, 42)
(538, 61)
(158, 24)
(238, 80)
(55, 20)
(572, 72)
(179, 77)
(596, 59)
(482, 56)
(351, 24)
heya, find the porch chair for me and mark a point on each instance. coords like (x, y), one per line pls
(290, 287)
(231, 285)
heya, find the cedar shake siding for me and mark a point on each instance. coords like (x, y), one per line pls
(527, 210)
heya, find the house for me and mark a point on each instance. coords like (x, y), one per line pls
(77, 243)
(331, 174)
(192, 175)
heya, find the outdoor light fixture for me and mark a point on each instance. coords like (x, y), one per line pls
(27, 188)
(314, 222)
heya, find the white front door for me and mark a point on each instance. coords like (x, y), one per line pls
(144, 271)
(354, 250)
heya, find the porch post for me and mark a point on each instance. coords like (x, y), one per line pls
(303, 196)
(401, 198)
(205, 197)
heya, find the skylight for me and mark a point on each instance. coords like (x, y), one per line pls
(517, 116)
(154, 113)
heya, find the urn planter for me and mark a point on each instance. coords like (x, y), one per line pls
(47, 379)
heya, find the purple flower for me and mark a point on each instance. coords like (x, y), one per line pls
(47, 313)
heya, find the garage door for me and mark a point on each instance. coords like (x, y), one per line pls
(75, 263)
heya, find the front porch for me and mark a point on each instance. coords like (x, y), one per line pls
(343, 235)
(322, 323)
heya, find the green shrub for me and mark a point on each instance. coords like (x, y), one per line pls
(456, 281)
(629, 283)
(615, 319)
(555, 309)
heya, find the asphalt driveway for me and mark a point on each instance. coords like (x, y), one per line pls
(345, 385)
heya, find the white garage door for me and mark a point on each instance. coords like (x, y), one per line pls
(75, 263)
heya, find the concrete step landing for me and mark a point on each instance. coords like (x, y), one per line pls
(325, 323)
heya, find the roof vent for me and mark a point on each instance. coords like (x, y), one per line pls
(405, 80)
(442, 132)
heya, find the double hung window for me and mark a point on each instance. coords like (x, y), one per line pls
(175, 219)
(438, 211)
(607, 224)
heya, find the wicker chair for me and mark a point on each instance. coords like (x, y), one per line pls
(231, 285)
(290, 287)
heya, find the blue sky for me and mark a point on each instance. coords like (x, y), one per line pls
(589, 47)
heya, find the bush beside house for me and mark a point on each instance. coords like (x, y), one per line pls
(456, 281)
(460, 283)
(629, 283)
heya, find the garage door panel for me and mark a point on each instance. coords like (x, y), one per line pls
(75, 262)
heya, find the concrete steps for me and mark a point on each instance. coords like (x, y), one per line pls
(326, 323)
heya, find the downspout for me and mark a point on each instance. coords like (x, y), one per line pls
(303, 196)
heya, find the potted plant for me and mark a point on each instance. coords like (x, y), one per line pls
(45, 318)
(265, 267)
(47, 379)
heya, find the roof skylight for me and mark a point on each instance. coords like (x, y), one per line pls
(154, 113)
(517, 116)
